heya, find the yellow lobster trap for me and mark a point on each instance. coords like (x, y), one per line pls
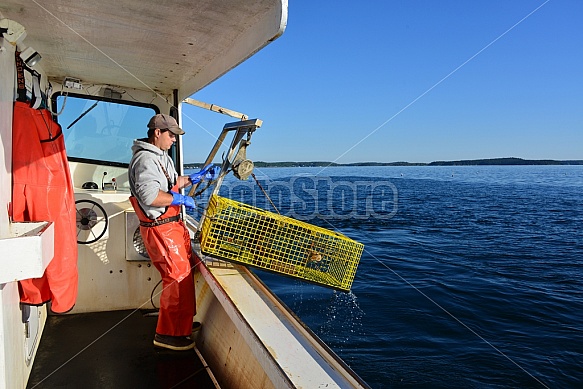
(251, 236)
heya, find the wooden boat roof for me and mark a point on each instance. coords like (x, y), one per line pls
(159, 45)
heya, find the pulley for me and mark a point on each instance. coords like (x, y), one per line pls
(242, 167)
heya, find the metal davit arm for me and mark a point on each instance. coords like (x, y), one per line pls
(241, 128)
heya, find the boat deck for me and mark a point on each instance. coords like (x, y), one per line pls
(112, 350)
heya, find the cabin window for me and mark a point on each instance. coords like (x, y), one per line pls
(101, 131)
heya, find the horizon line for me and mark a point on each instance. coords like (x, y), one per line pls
(498, 159)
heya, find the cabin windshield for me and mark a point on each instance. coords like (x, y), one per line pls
(101, 131)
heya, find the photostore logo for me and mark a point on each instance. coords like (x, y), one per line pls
(309, 197)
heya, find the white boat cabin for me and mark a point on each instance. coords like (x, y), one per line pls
(101, 69)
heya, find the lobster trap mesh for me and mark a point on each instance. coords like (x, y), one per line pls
(251, 236)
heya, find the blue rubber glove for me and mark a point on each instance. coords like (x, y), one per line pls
(206, 173)
(178, 199)
(212, 172)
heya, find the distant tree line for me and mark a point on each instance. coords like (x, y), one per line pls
(504, 161)
(469, 162)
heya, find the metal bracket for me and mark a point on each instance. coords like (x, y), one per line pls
(241, 128)
(215, 108)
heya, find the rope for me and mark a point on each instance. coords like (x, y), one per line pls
(208, 184)
(265, 193)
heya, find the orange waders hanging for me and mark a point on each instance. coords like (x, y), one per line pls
(168, 244)
(42, 191)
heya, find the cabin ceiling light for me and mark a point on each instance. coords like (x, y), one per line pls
(30, 56)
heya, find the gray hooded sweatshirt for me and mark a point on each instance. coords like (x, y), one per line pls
(147, 177)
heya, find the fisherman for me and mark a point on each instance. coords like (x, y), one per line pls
(155, 186)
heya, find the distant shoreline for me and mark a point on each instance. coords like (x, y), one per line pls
(471, 162)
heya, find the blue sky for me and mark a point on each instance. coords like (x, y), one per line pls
(416, 81)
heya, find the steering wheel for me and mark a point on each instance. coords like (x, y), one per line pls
(91, 221)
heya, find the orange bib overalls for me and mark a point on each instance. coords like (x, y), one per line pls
(168, 244)
(42, 190)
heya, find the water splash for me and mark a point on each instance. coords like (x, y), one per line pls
(343, 320)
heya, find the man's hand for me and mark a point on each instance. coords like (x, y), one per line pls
(207, 173)
(178, 199)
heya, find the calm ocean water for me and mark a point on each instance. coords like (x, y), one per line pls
(471, 276)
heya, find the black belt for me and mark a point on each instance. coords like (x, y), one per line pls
(160, 221)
